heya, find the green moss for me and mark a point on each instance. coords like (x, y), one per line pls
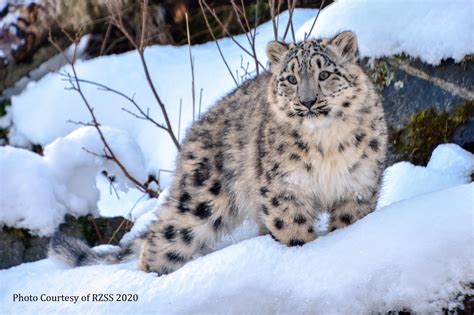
(427, 129)
(3, 106)
(22, 234)
(468, 59)
(3, 110)
(381, 74)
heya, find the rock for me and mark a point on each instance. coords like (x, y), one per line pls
(400, 103)
(11, 250)
(464, 136)
(36, 249)
(407, 94)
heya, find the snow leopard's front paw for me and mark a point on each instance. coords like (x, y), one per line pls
(349, 212)
(291, 229)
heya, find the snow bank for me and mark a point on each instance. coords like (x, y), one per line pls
(431, 30)
(415, 254)
(450, 165)
(41, 190)
(29, 199)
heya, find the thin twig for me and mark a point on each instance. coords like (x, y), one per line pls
(179, 118)
(103, 87)
(96, 228)
(257, 4)
(225, 30)
(114, 234)
(191, 60)
(118, 22)
(289, 25)
(108, 152)
(200, 102)
(314, 22)
(271, 4)
(248, 31)
(144, 20)
(80, 123)
(169, 128)
(217, 44)
(106, 39)
(102, 156)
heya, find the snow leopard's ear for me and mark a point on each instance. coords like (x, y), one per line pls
(276, 51)
(345, 44)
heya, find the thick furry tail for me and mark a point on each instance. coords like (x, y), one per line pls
(74, 252)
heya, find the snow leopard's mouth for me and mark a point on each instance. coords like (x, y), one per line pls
(314, 112)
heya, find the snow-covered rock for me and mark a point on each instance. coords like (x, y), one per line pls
(431, 30)
(40, 190)
(450, 165)
(29, 198)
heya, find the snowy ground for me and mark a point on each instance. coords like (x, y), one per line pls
(414, 252)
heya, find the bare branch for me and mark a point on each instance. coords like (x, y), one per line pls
(217, 44)
(143, 115)
(169, 128)
(96, 228)
(191, 60)
(248, 31)
(224, 29)
(108, 152)
(106, 38)
(314, 22)
(117, 20)
(179, 119)
(144, 20)
(79, 123)
(200, 102)
(289, 25)
(271, 4)
(102, 156)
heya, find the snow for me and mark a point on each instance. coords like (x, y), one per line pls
(42, 189)
(450, 165)
(431, 30)
(414, 254)
(30, 200)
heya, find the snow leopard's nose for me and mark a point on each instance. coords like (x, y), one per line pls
(308, 103)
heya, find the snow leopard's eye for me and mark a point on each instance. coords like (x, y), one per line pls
(292, 79)
(324, 75)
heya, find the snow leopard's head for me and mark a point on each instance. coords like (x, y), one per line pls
(317, 80)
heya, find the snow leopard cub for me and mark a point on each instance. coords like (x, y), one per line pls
(308, 136)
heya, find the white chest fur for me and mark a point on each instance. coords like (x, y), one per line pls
(334, 176)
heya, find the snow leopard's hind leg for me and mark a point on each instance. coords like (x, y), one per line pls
(198, 211)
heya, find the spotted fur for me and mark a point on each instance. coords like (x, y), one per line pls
(307, 136)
